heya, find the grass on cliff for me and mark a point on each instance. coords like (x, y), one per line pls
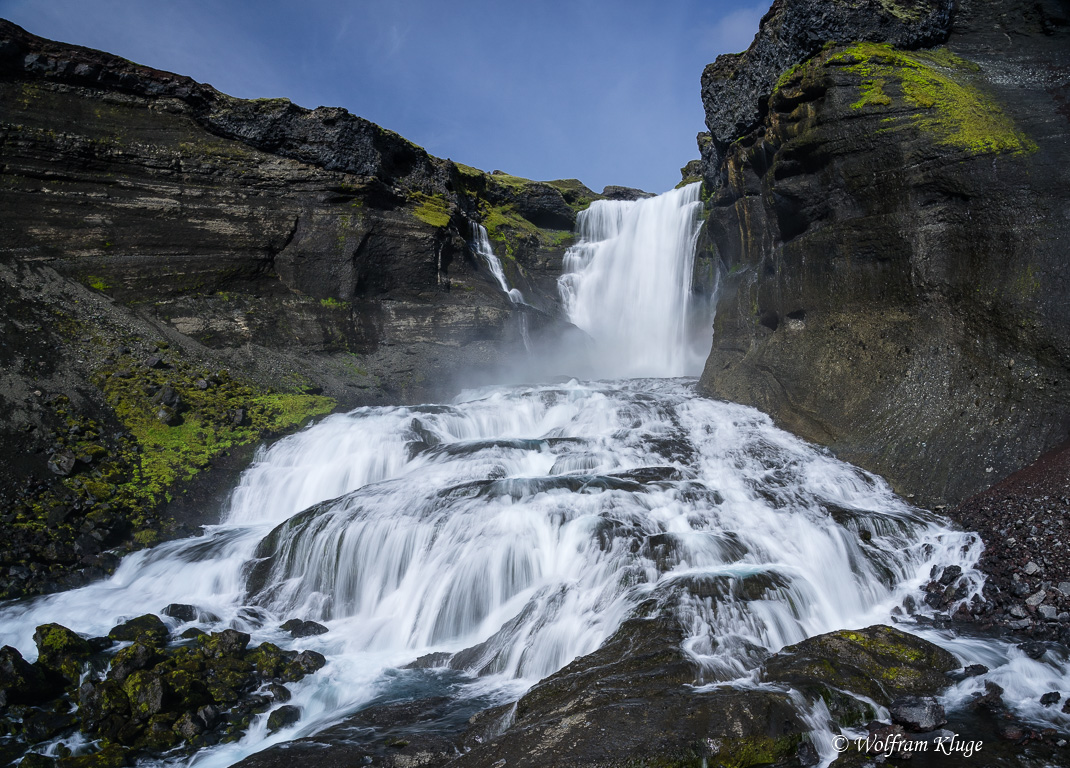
(936, 84)
(216, 412)
(431, 209)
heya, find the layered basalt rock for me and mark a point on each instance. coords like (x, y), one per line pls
(891, 234)
(308, 258)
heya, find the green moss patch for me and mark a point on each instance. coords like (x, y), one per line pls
(431, 209)
(215, 413)
(936, 84)
(111, 482)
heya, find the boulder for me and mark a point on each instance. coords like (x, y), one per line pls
(918, 714)
(20, 681)
(284, 716)
(632, 701)
(149, 626)
(61, 652)
(181, 611)
(879, 662)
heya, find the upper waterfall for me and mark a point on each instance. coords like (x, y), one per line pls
(627, 284)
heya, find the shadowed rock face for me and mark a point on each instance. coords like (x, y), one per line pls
(303, 252)
(892, 237)
(735, 86)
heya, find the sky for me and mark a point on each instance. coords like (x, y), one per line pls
(606, 92)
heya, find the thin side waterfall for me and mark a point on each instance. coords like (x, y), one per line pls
(482, 246)
(627, 283)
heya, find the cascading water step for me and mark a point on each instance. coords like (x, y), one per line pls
(531, 526)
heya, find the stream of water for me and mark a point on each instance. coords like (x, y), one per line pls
(530, 521)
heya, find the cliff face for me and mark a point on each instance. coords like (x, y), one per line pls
(184, 273)
(893, 232)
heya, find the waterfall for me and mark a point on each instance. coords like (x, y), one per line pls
(483, 248)
(627, 283)
(516, 528)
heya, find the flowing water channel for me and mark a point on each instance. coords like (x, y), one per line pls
(523, 524)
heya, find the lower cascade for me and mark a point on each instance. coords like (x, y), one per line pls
(504, 535)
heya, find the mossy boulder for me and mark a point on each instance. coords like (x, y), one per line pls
(20, 681)
(229, 642)
(104, 709)
(147, 694)
(141, 655)
(61, 652)
(282, 717)
(150, 627)
(879, 662)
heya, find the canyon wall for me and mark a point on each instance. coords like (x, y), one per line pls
(185, 273)
(890, 216)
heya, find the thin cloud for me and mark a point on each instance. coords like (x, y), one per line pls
(735, 31)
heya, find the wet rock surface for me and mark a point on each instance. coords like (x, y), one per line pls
(147, 698)
(632, 702)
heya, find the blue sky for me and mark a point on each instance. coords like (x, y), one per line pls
(607, 92)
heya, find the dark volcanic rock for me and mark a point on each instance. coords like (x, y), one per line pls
(148, 626)
(181, 611)
(918, 714)
(890, 236)
(1024, 522)
(283, 717)
(879, 662)
(631, 701)
(156, 234)
(20, 681)
(736, 85)
(614, 192)
(61, 652)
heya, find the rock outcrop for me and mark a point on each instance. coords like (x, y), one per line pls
(179, 265)
(634, 702)
(889, 211)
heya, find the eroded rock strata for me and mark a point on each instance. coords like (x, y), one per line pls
(184, 273)
(888, 206)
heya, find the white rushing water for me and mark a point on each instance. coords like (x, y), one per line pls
(481, 245)
(627, 283)
(532, 520)
(521, 525)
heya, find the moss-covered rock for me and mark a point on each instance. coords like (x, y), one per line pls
(61, 652)
(149, 628)
(140, 655)
(104, 708)
(108, 756)
(879, 662)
